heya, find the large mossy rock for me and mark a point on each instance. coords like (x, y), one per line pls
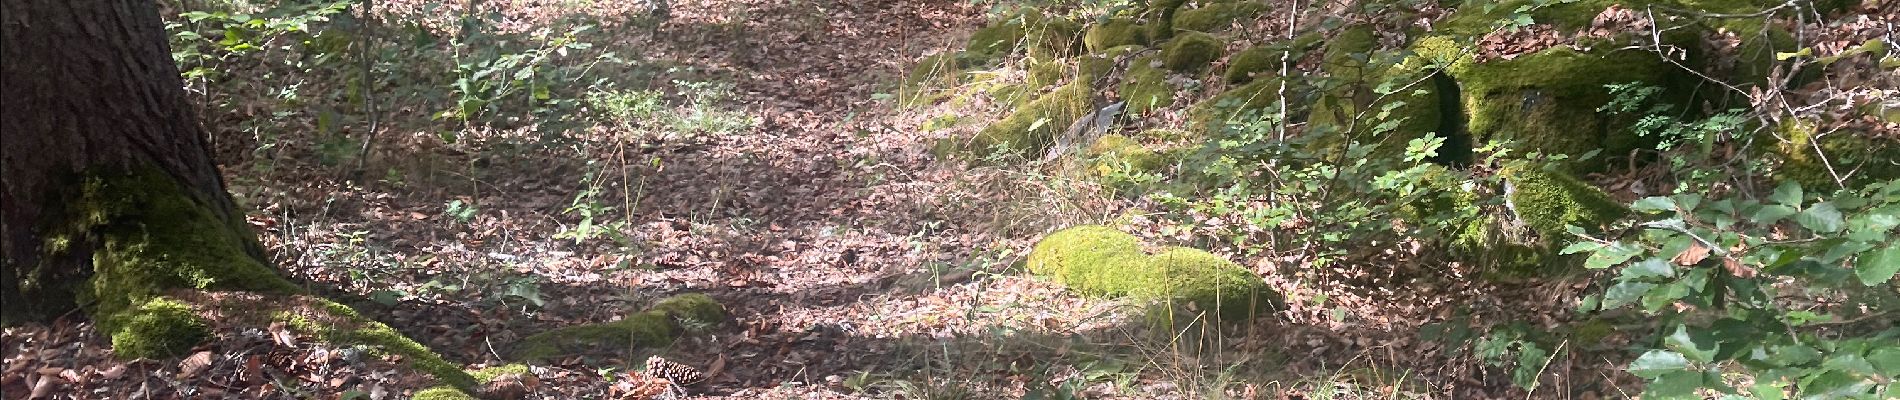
(1030, 129)
(1145, 86)
(1159, 18)
(1547, 101)
(1216, 16)
(1857, 158)
(1264, 60)
(930, 80)
(1243, 103)
(1551, 201)
(1351, 109)
(1115, 32)
(1099, 260)
(1522, 238)
(1045, 37)
(1191, 52)
(659, 325)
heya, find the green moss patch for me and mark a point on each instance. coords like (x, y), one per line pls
(657, 326)
(1114, 33)
(1859, 158)
(1242, 67)
(1160, 18)
(1145, 87)
(929, 80)
(442, 393)
(489, 374)
(339, 324)
(1234, 104)
(1191, 52)
(1099, 260)
(1547, 101)
(160, 328)
(1549, 201)
(1042, 36)
(151, 236)
(1031, 128)
(1216, 16)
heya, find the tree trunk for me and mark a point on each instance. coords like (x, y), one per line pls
(91, 89)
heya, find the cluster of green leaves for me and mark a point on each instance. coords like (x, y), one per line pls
(281, 69)
(1687, 144)
(1791, 294)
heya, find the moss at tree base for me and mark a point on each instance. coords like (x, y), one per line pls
(160, 328)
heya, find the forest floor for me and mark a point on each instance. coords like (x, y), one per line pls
(854, 263)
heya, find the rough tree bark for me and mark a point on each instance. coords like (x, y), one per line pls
(90, 89)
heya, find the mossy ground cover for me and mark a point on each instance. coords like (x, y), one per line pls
(657, 326)
(1103, 261)
(1031, 128)
(1191, 52)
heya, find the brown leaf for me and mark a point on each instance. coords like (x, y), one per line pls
(1694, 254)
(1736, 268)
(194, 364)
(42, 389)
(718, 365)
(113, 373)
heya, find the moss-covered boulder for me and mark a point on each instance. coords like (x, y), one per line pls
(1099, 260)
(1352, 109)
(1516, 235)
(1243, 103)
(1550, 201)
(1217, 16)
(1191, 51)
(930, 80)
(1045, 74)
(1263, 60)
(1855, 157)
(1034, 126)
(1053, 37)
(1115, 32)
(1145, 86)
(1159, 18)
(657, 326)
(1547, 101)
(441, 393)
(160, 328)
(1755, 56)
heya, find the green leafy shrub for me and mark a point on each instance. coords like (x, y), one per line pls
(1720, 279)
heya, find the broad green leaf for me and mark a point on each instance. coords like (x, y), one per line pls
(1702, 350)
(1662, 295)
(1879, 266)
(1886, 361)
(1821, 217)
(1624, 293)
(1580, 247)
(1788, 194)
(1654, 204)
(1850, 363)
(1835, 384)
(1674, 386)
(1611, 255)
(1649, 268)
(1769, 391)
(1772, 213)
(1657, 363)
